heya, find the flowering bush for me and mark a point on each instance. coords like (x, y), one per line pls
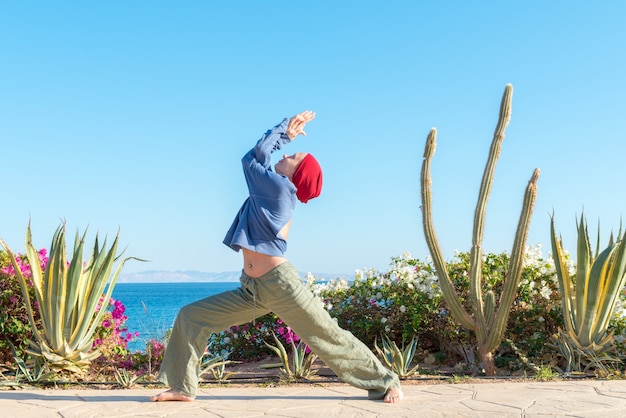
(145, 362)
(534, 316)
(112, 336)
(398, 303)
(15, 327)
(406, 301)
(245, 342)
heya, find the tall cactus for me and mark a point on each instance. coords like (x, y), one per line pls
(487, 318)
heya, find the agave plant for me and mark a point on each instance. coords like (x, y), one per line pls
(301, 361)
(67, 297)
(126, 379)
(217, 366)
(398, 359)
(588, 297)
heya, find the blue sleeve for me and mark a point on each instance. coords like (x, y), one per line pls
(271, 141)
(257, 162)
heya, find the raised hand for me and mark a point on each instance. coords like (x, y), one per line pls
(296, 123)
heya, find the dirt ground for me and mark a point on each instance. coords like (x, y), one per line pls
(253, 373)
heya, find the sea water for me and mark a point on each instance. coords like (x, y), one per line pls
(152, 307)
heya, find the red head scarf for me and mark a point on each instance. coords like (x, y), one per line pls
(308, 179)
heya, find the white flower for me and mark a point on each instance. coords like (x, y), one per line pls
(383, 320)
(310, 279)
(545, 292)
(226, 340)
(387, 329)
(403, 309)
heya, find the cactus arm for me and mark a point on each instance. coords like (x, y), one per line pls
(481, 209)
(514, 274)
(447, 287)
(490, 167)
(490, 308)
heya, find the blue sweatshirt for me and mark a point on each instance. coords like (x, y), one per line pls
(271, 202)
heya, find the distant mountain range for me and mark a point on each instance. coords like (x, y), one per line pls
(159, 276)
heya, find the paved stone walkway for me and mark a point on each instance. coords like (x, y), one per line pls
(585, 398)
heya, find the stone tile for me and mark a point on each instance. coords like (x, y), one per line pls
(584, 398)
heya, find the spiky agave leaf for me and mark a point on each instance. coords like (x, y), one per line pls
(607, 277)
(565, 282)
(408, 354)
(386, 353)
(280, 351)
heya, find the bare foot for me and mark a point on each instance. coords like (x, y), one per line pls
(394, 395)
(171, 395)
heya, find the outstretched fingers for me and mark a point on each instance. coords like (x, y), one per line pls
(297, 123)
(306, 116)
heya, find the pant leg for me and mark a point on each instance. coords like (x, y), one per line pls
(194, 325)
(285, 294)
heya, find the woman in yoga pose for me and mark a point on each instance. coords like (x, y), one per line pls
(269, 283)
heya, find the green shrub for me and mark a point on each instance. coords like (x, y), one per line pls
(246, 342)
(406, 302)
(535, 314)
(399, 303)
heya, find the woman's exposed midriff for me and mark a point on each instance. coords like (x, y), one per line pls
(257, 264)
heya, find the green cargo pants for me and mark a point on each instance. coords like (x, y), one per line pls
(280, 291)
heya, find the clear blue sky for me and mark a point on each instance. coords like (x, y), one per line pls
(134, 116)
